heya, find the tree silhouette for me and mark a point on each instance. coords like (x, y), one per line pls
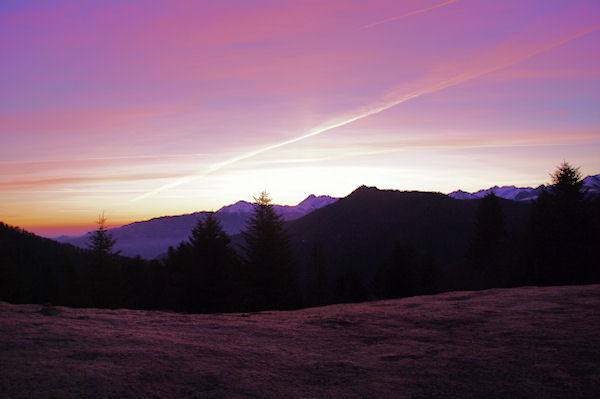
(209, 267)
(101, 242)
(268, 259)
(102, 277)
(487, 253)
(567, 183)
(560, 247)
(401, 274)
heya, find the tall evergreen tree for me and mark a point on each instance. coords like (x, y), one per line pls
(209, 267)
(102, 278)
(488, 250)
(268, 258)
(101, 242)
(560, 246)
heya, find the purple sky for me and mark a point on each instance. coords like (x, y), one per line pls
(144, 109)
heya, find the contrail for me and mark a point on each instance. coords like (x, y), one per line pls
(397, 95)
(408, 14)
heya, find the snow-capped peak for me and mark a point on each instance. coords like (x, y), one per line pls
(313, 202)
(590, 183)
(239, 207)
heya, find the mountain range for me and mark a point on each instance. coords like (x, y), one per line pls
(590, 183)
(396, 215)
(151, 238)
(358, 231)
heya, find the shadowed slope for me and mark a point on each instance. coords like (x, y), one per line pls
(519, 343)
(359, 230)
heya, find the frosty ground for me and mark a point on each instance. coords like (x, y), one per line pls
(519, 343)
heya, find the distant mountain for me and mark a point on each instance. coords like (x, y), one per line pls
(153, 237)
(590, 183)
(359, 230)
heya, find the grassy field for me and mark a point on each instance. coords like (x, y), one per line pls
(504, 343)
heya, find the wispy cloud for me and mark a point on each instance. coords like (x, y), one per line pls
(408, 14)
(70, 180)
(511, 52)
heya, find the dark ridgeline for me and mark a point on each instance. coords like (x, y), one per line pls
(371, 244)
(365, 232)
(39, 270)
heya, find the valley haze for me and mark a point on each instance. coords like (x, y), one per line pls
(152, 238)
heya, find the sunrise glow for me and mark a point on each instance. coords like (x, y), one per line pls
(148, 109)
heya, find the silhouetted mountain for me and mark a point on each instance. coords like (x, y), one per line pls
(151, 238)
(32, 267)
(359, 230)
(590, 183)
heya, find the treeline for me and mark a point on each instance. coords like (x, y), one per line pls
(558, 245)
(207, 273)
(39, 270)
(203, 274)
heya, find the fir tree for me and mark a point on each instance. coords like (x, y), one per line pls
(102, 278)
(101, 242)
(268, 259)
(487, 253)
(209, 267)
(560, 246)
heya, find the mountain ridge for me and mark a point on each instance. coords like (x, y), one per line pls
(152, 237)
(590, 183)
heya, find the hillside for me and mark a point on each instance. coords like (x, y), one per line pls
(359, 230)
(32, 267)
(517, 343)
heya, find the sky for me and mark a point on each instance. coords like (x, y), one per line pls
(140, 109)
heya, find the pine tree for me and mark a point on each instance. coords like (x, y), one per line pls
(101, 242)
(487, 253)
(268, 259)
(209, 267)
(401, 275)
(102, 278)
(560, 247)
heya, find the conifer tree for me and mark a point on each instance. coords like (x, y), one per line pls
(268, 259)
(401, 274)
(102, 278)
(209, 267)
(560, 247)
(101, 242)
(487, 253)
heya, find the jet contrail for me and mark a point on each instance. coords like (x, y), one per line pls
(408, 14)
(395, 96)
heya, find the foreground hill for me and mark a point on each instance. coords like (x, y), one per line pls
(517, 343)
